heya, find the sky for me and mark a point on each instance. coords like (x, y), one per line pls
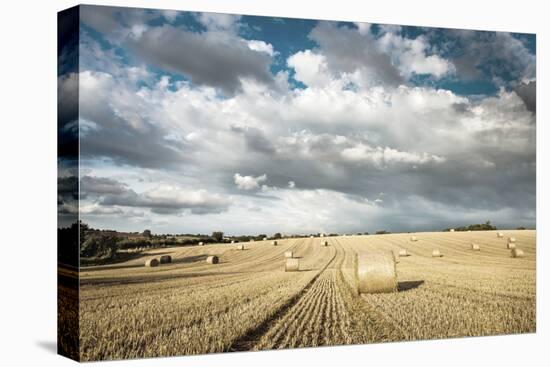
(196, 122)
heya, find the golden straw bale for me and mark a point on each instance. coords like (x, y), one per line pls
(516, 252)
(212, 259)
(375, 272)
(152, 263)
(403, 253)
(292, 264)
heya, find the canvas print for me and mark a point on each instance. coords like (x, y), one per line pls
(242, 183)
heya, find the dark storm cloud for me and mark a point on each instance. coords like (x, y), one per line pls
(498, 55)
(481, 177)
(210, 58)
(161, 200)
(101, 185)
(528, 94)
(67, 189)
(255, 139)
(115, 124)
(131, 147)
(466, 66)
(346, 51)
(112, 20)
(101, 18)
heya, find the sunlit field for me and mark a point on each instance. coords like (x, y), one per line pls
(248, 302)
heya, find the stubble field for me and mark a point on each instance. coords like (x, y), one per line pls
(248, 301)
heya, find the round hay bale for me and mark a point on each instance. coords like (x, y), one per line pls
(516, 252)
(251, 241)
(240, 247)
(452, 230)
(289, 254)
(403, 253)
(274, 243)
(436, 253)
(310, 236)
(512, 239)
(500, 234)
(265, 238)
(325, 243)
(414, 239)
(232, 241)
(201, 243)
(511, 245)
(376, 272)
(475, 247)
(152, 262)
(165, 259)
(292, 264)
(212, 259)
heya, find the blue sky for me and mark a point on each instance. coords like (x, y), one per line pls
(190, 122)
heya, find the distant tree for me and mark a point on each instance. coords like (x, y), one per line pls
(104, 246)
(83, 228)
(521, 228)
(277, 236)
(147, 233)
(487, 226)
(382, 232)
(217, 235)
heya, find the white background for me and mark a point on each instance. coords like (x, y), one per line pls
(28, 181)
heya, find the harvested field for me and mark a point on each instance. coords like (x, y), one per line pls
(249, 302)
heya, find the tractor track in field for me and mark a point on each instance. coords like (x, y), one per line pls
(328, 312)
(248, 340)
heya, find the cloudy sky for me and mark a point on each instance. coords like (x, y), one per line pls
(194, 122)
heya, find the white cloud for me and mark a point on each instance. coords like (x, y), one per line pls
(261, 46)
(364, 28)
(170, 15)
(248, 182)
(218, 21)
(291, 184)
(310, 68)
(411, 56)
(387, 156)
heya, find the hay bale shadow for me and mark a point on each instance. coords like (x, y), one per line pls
(190, 259)
(408, 285)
